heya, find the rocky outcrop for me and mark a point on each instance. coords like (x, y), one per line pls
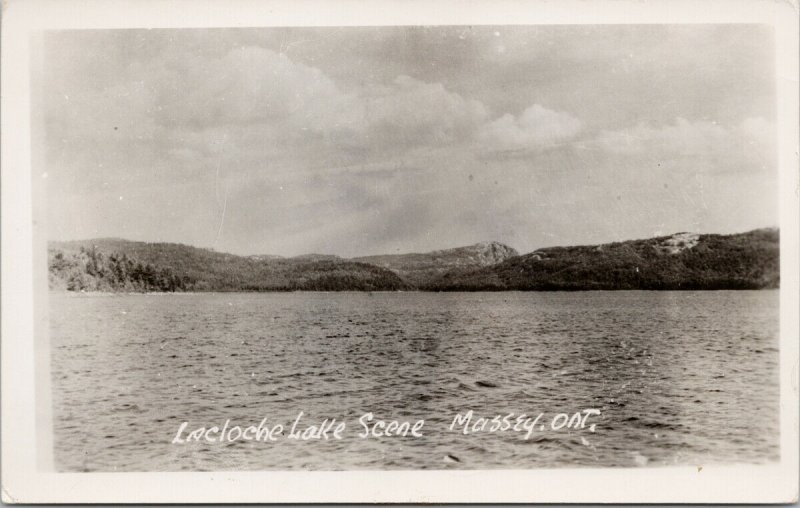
(419, 269)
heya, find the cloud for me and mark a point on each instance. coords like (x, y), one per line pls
(681, 138)
(251, 85)
(292, 103)
(254, 106)
(246, 110)
(371, 140)
(746, 146)
(246, 85)
(413, 112)
(537, 127)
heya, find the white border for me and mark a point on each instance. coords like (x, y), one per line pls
(23, 482)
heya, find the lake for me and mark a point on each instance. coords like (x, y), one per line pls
(677, 377)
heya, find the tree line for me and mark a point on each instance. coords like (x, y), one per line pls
(92, 270)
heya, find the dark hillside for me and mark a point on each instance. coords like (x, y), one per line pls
(207, 270)
(682, 261)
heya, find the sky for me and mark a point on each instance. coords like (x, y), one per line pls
(358, 141)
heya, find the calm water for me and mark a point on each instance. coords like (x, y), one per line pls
(679, 377)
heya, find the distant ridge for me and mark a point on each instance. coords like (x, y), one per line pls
(680, 261)
(419, 269)
(317, 257)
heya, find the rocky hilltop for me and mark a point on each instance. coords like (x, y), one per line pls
(419, 269)
(680, 261)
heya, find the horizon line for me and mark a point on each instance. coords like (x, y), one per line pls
(212, 249)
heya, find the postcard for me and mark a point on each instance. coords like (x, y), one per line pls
(269, 251)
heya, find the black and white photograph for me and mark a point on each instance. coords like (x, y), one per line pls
(421, 247)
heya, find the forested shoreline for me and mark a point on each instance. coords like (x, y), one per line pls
(681, 261)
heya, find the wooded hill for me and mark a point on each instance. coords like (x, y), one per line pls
(681, 261)
(89, 266)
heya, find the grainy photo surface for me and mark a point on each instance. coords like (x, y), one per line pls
(417, 247)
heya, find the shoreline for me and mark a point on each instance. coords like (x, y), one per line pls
(680, 262)
(97, 294)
